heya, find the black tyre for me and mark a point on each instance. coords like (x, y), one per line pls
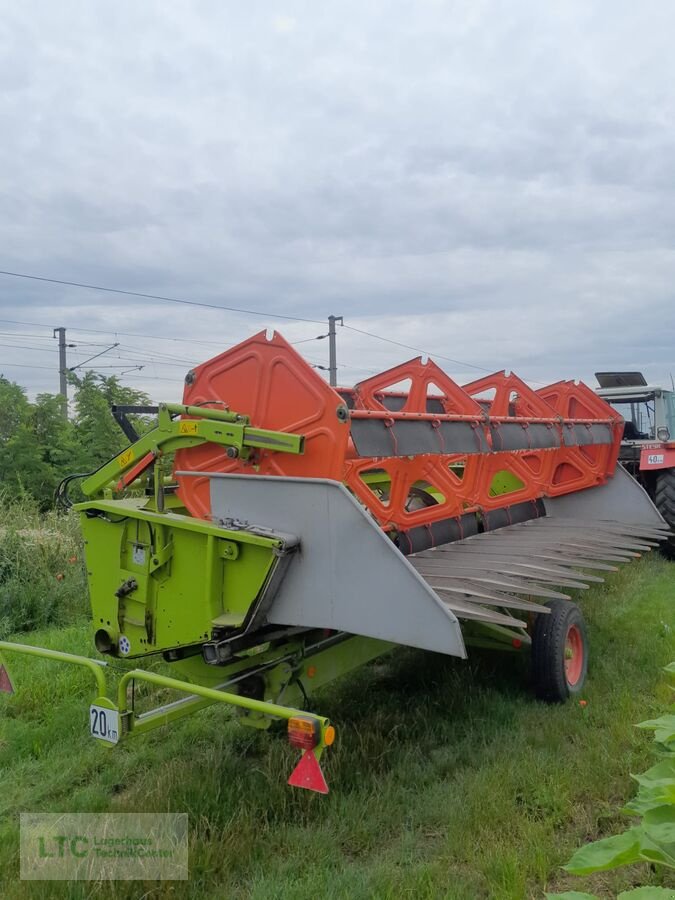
(559, 652)
(665, 503)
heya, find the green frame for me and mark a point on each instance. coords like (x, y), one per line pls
(207, 580)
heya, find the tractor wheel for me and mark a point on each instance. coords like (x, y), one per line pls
(559, 652)
(665, 503)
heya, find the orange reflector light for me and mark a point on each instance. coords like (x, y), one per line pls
(303, 732)
(5, 681)
(307, 774)
(329, 736)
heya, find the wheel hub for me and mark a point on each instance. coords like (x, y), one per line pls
(574, 655)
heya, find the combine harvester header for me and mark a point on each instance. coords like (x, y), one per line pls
(304, 530)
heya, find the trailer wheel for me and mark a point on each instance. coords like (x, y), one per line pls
(559, 652)
(664, 500)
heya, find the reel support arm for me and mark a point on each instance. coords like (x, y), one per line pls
(228, 429)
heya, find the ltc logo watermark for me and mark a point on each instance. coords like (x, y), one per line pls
(104, 846)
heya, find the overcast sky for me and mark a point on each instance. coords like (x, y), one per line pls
(492, 182)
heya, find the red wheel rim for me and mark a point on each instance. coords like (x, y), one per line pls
(574, 655)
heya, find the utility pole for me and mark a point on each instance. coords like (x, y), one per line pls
(63, 369)
(332, 351)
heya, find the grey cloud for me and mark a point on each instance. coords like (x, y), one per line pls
(491, 182)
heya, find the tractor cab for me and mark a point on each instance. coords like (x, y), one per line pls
(648, 410)
(647, 448)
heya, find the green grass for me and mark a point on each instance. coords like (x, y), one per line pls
(42, 575)
(447, 778)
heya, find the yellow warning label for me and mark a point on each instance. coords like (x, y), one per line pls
(188, 428)
(125, 458)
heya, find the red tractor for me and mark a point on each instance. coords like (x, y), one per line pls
(648, 443)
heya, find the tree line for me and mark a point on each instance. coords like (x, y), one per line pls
(39, 446)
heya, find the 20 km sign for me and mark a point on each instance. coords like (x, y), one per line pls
(104, 723)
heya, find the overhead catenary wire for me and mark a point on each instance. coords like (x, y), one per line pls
(154, 355)
(44, 337)
(380, 337)
(115, 332)
(241, 310)
(166, 299)
(157, 358)
(319, 337)
(24, 347)
(160, 297)
(5, 365)
(95, 356)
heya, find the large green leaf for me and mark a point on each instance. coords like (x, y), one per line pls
(661, 774)
(657, 788)
(649, 798)
(653, 840)
(619, 850)
(659, 825)
(656, 852)
(663, 728)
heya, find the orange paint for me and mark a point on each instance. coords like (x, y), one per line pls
(268, 381)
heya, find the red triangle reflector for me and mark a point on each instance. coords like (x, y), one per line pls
(308, 774)
(5, 681)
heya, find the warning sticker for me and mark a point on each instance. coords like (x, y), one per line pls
(188, 428)
(125, 458)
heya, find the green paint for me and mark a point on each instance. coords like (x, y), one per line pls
(505, 482)
(95, 666)
(189, 574)
(213, 426)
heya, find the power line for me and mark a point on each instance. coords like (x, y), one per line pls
(95, 356)
(153, 362)
(164, 299)
(5, 365)
(136, 357)
(369, 334)
(48, 338)
(319, 337)
(456, 362)
(23, 334)
(24, 347)
(150, 337)
(155, 378)
(197, 303)
(156, 357)
(50, 369)
(379, 337)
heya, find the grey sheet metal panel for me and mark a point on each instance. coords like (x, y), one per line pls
(348, 575)
(516, 436)
(411, 437)
(582, 435)
(463, 437)
(433, 534)
(396, 402)
(620, 499)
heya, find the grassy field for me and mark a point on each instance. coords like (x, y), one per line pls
(447, 778)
